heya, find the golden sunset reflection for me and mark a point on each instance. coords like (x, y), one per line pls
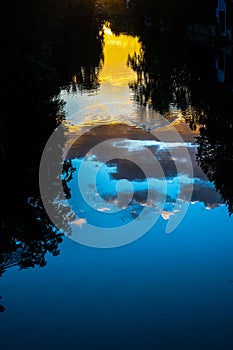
(116, 50)
(113, 103)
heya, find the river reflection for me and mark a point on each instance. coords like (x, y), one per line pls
(162, 291)
(134, 125)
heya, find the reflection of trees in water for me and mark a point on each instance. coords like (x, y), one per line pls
(80, 55)
(27, 235)
(37, 58)
(171, 76)
(169, 70)
(215, 151)
(162, 76)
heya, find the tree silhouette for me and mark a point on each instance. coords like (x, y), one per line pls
(173, 73)
(163, 78)
(37, 59)
(215, 147)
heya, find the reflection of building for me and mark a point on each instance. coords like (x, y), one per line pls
(219, 25)
(224, 19)
(221, 17)
(221, 64)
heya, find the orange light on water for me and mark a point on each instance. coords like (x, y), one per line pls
(116, 51)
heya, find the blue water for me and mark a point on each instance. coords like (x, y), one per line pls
(160, 292)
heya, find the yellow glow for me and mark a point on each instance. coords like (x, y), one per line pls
(74, 79)
(116, 50)
(107, 30)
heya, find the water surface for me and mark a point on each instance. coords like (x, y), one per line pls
(161, 291)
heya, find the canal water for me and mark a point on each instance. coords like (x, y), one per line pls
(147, 260)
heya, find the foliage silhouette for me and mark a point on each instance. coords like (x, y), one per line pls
(174, 74)
(166, 69)
(216, 144)
(44, 44)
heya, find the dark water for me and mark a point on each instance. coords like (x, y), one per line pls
(138, 89)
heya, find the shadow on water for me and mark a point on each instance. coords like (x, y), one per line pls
(45, 45)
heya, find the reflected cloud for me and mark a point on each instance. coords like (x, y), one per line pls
(79, 222)
(137, 145)
(104, 209)
(119, 205)
(166, 214)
